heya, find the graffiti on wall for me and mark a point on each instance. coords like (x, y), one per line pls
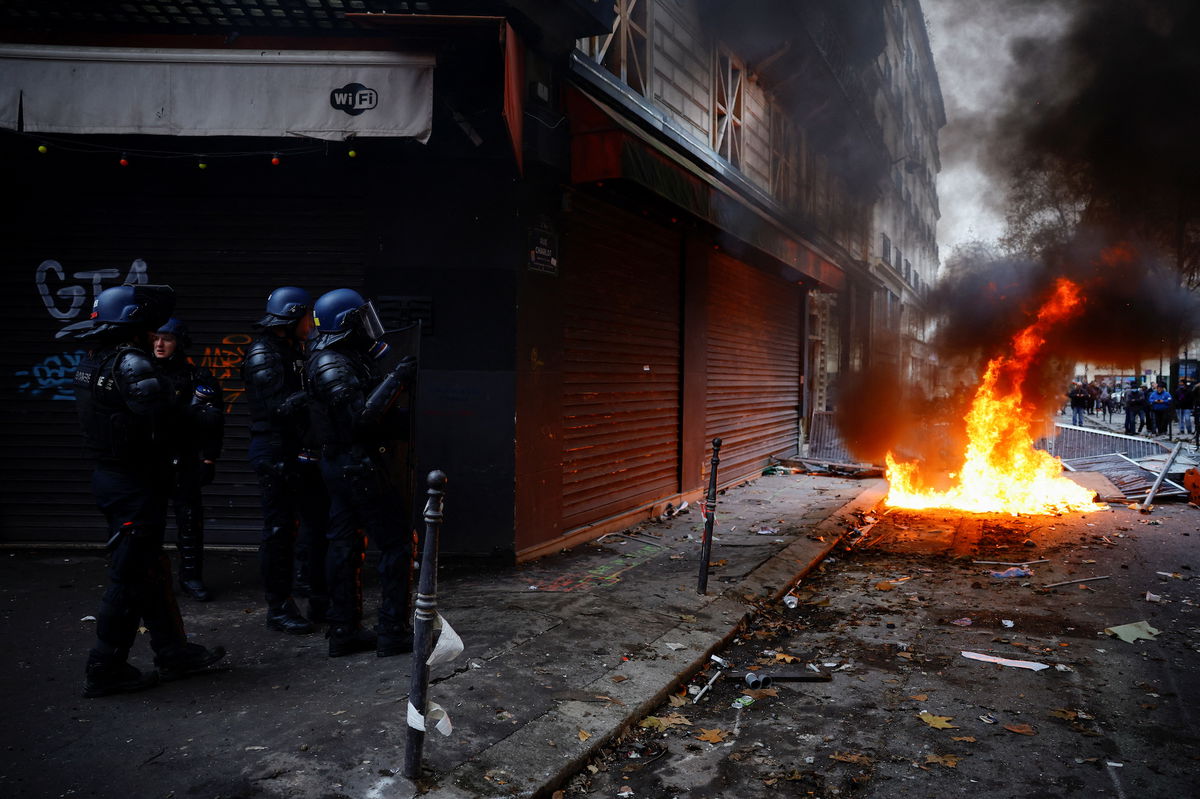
(52, 377)
(66, 299)
(225, 362)
(69, 299)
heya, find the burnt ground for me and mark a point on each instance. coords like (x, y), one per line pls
(889, 620)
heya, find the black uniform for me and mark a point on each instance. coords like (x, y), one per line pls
(122, 402)
(363, 474)
(293, 495)
(196, 425)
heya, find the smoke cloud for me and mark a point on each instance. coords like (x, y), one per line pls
(1109, 90)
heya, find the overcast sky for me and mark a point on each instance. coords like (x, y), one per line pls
(970, 40)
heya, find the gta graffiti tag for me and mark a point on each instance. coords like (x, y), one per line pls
(66, 299)
(51, 377)
(225, 362)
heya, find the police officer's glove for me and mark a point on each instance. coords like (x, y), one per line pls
(406, 369)
(208, 471)
(293, 405)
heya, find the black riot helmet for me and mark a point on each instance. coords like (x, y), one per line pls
(286, 306)
(341, 313)
(136, 308)
(179, 329)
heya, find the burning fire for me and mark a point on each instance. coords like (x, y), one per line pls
(1002, 472)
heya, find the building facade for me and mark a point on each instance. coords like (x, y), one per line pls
(904, 252)
(627, 229)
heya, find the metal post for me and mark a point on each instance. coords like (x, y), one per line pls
(1161, 476)
(710, 518)
(426, 613)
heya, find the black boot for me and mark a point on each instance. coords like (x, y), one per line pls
(349, 640)
(182, 660)
(397, 642)
(286, 618)
(190, 522)
(107, 675)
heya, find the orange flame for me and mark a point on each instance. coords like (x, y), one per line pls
(1002, 472)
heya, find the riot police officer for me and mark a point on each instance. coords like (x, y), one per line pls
(353, 398)
(293, 495)
(197, 427)
(122, 398)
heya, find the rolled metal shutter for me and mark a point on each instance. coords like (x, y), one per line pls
(223, 255)
(754, 366)
(621, 381)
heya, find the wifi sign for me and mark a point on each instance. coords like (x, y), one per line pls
(353, 98)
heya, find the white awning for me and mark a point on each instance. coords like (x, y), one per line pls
(318, 93)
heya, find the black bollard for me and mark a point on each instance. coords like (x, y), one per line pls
(710, 518)
(426, 613)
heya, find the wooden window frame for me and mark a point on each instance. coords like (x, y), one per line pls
(729, 80)
(625, 52)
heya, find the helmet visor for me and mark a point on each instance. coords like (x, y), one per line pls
(368, 320)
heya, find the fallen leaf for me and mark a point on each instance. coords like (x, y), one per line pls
(919, 697)
(851, 757)
(672, 719)
(937, 722)
(1020, 729)
(677, 700)
(783, 657)
(970, 739)
(593, 768)
(1063, 713)
(652, 723)
(761, 693)
(558, 795)
(949, 761)
(712, 736)
(620, 678)
(885, 585)
(583, 736)
(905, 655)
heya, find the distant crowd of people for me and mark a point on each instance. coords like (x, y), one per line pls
(1150, 408)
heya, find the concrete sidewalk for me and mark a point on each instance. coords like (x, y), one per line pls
(560, 655)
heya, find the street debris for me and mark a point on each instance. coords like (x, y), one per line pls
(1020, 729)
(1006, 563)
(949, 761)
(1016, 664)
(1015, 571)
(1007, 622)
(1076, 582)
(1146, 506)
(1153, 597)
(742, 702)
(1136, 631)
(964, 622)
(937, 722)
(857, 758)
(714, 736)
(756, 681)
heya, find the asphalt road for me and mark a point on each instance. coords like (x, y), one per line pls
(889, 622)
